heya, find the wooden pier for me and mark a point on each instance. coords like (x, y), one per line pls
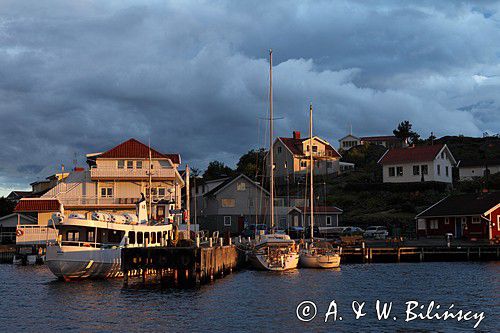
(367, 254)
(179, 265)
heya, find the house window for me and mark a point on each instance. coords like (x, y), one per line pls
(446, 220)
(228, 203)
(425, 169)
(286, 165)
(416, 170)
(90, 236)
(439, 169)
(131, 237)
(279, 150)
(73, 236)
(227, 221)
(447, 171)
(106, 192)
(328, 220)
(392, 172)
(399, 171)
(315, 149)
(498, 222)
(476, 220)
(161, 191)
(138, 165)
(140, 238)
(434, 224)
(329, 165)
(121, 164)
(130, 164)
(303, 164)
(307, 147)
(241, 186)
(250, 202)
(421, 225)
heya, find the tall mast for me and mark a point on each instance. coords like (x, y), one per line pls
(188, 204)
(311, 168)
(271, 152)
(150, 181)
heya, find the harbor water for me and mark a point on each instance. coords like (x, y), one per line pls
(253, 301)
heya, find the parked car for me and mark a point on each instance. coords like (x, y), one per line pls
(253, 229)
(295, 232)
(353, 231)
(376, 231)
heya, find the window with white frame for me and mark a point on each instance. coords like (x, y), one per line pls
(138, 164)
(279, 149)
(162, 191)
(424, 169)
(421, 225)
(439, 169)
(392, 171)
(250, 202)
(446, 220)
(416, 170)
(241, 186)
(227, 221)
(303, 164)
(106, 192)
(130, 164)
(121, 164)
(476, 220)
(328, 220)
(228, 203)
(433, 224)
(399, 171)
(447, 171)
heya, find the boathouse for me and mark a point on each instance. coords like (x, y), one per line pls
(473, 216)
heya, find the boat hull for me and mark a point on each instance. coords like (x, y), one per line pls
(308, 260)
(73, 262)
(262, 262)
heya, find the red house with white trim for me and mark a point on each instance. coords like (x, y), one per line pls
(470, 216)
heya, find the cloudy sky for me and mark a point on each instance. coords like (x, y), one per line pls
(82, 76)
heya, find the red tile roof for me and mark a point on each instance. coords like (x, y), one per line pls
(37, 205)
(380, 138)
(133, 148)
(320, 209)
(411, 154)
(295, 146)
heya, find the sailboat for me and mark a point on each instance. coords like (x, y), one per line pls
(274, 252)
(316, 254)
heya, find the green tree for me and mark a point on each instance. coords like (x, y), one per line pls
(404, 132)
(217, 169)
(252, 163)
(6, 206)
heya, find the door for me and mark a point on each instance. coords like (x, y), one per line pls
(160, 212)
(295, 220)
(241, 223)
(458, 228)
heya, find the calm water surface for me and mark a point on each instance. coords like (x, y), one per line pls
(250, 301)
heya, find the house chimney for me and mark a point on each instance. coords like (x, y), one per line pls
(296, 134)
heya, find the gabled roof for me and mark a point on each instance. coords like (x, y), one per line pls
(462, 204)
(320, 210)
(133, 148)
(26, 217)
(229, 181)
(349, 135)
(295, 146)
(413, 154)
(380, 138)
(37, 205)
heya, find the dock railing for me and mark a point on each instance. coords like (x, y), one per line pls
(35, 234)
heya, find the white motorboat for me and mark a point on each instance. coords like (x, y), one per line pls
(91, 248)
(274, 252)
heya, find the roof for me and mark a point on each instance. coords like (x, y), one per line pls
(19, 194)
(349, 135)
(37, 205)
(21, 216)
(295, 146)
(411, 154)
(480, 163)
(219, 187)
(463, 204)
(380, 138)
(321, 209)
(133, 148)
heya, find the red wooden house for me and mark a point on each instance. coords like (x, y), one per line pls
(469, 216)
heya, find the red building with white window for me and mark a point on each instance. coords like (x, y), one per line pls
(469, 216)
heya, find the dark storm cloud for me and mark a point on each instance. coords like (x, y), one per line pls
(80, 77)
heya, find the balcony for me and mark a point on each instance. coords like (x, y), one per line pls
(35, 235)
(98, 201)
(100, 173)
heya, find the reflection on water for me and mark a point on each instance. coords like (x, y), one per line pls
(253, 301)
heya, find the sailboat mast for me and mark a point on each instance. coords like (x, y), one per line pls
(271, 152)
(311, 168)
(150, 185)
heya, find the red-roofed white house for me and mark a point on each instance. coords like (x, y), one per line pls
(291, 156)
(418, 164)
(113, 183)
